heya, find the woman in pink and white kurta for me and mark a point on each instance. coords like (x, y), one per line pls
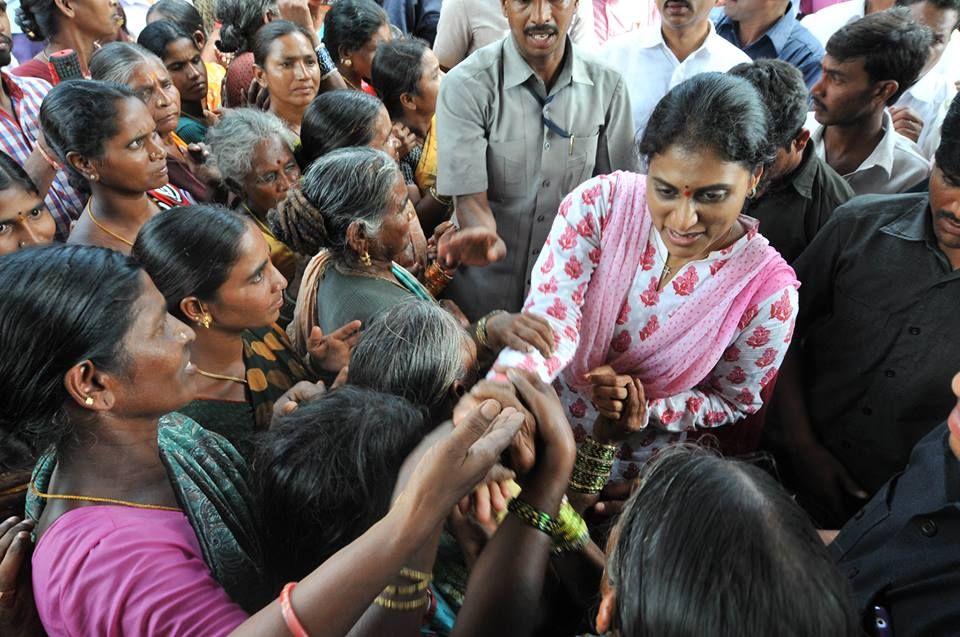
(703, 343)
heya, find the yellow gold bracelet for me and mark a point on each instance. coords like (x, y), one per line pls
(393, 604)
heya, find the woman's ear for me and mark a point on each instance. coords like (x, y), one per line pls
(259, 75)
(407, 102)
(83, 166)
(66, 8)
(357, 238)
(755, 178)
(193, 309)
(199, 39)
(88, 387)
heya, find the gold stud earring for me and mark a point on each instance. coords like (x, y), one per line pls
(348, 62)
(88, 401)
(365, 259)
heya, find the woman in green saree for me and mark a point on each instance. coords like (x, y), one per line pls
(144, 521)
(213, 267)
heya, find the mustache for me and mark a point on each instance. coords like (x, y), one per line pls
(546, 29)
(943, 214)
(682, 3)
(6, 39)
(819, 103)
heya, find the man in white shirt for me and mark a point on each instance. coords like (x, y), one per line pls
(920, 111)
(655, 59)
(869, 63)
(829, 20)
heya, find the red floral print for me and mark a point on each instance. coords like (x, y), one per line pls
(578, 409)
(651, 296)
(748, 315)
(650, 328)
(745, 397)
(685, 282)
(573, 268)
(594, 256)
(732, 354)
(737, 376)
(648, 257)
(716, 266)
(759, 337)
(782, 309)
(558, 310)
(769, 355)
(624, 315)
(568, 239)
(549, 286)
(694, 403)
(585, 227)
(621, 342)
(547, 265)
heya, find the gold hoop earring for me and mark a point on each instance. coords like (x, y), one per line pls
(365, 259)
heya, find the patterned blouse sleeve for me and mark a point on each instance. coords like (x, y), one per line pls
(561, 274)
(732, 389)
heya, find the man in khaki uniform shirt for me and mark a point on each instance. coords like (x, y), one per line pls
(520, 124)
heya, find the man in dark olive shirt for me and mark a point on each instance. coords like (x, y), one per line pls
(900, 551)
(799, 190)
(878, 331)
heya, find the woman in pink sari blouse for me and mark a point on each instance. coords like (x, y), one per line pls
(661, 278)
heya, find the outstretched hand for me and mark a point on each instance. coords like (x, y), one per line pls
(471, 246)
(332, 352)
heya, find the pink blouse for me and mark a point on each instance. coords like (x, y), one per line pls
(728, 393)
(115, 570)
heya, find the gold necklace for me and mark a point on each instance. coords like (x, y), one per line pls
(350, 84)
(235, 379)
(102, 227)
(85, 498)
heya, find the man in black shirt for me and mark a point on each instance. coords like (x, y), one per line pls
(876, 338)
(900, 551)
(799, 191)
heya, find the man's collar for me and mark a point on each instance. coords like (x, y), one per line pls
(516, 71)
(779, 33)
(882, 155)
(804, 174)
(913, 224)
(10, 86)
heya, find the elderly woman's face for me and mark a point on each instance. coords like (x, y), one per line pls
(695, 198)
(152, 84)
(24, 220)
(252, 295)
(291, 70)
(133, 160)
(273, 170)
(394, 236)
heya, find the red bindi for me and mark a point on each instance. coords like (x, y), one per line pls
(686, 192)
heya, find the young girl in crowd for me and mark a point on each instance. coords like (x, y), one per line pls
(105, 136)
(406, 76)
(24, 218)
(149, 79)
(181, 55)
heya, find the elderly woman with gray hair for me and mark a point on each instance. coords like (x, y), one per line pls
(351, 212)
(253, 151)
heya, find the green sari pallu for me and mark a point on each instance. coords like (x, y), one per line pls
(210, 481)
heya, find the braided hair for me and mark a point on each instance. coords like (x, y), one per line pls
(344, 187)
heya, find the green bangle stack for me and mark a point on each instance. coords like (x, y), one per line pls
(532, 517)
(570, 532)
(592, 468)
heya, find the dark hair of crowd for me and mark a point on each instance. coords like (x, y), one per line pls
(349, 25)
(948, 153)
(943, 5)
(710, 546)
(783, 92)
(326, 473)
(61, 305)
(336, 119)
(12, 175)
(397, 69)
(179, 11)
(190, 251)
(80, 116)
(157, 36)
(239, 22)
(266, 35)
(38, 19)
(712, 111)
(892, 45)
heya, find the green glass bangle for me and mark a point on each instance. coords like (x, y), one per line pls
(532, 517)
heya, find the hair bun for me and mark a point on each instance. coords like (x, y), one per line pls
(28, 22)
(299, 224)
(232, 39)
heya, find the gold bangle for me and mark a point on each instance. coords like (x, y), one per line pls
(446, 201)
(481, 330)
(394, 604)
(407, 590)
(416, 575)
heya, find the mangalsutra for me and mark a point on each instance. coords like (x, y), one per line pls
(234, 379)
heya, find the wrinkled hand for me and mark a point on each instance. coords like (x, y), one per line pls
(407, 139)
(522, 452)
(471, 246)
(556, 449)
(522, 332)
(212, 118)
(332, 352)
(820, 472)
(18, 613)
(907, 122)
(302, 392)
(451, 468)
(438, 232)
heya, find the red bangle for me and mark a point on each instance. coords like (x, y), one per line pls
(289, 616)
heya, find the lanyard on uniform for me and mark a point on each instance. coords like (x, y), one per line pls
(551, 125)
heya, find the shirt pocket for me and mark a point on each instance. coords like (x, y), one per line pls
(581, 159)
(855, 323)
(507, 168)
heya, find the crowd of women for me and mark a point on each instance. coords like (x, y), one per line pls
(235, 401)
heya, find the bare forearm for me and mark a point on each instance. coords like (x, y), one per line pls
(41, 173)
(472, 212)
